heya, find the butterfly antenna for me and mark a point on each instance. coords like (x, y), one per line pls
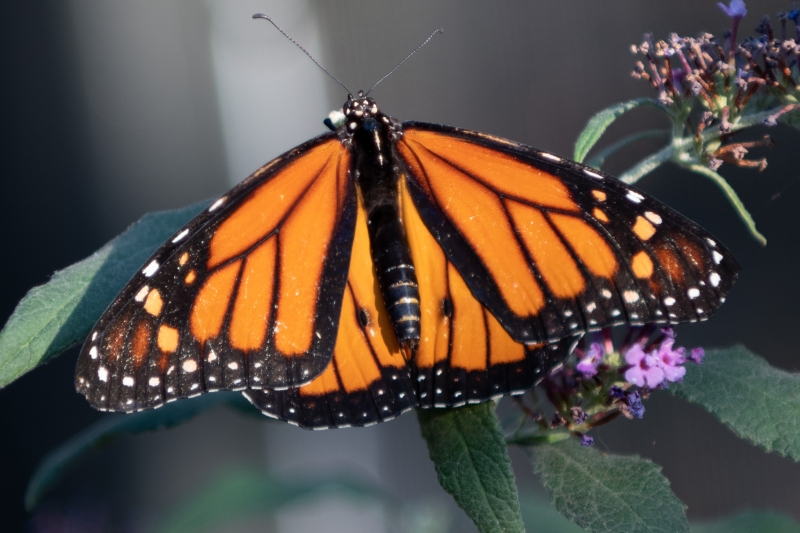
(440, 30)
(266, 17)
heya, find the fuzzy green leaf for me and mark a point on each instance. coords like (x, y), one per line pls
(60, 313)
(239, 495)
(602, 492)
(599, 123)
(471, 459)
(58, 462)
(758, 402)
(539, 515)
(750, 522)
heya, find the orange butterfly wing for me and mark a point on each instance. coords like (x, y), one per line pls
(464, 354)
(552, 248)
(367, 381)
(246, 295)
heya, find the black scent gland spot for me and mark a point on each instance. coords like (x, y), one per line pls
(447, 308)
(363, 317)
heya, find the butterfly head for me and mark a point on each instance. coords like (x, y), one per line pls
(358, 110)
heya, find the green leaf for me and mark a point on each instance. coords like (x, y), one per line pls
(599, 159)
(758, 402)
(60, 313)
(540, 515)
(733, 198)
(56, 464)
(750, 522)
(598, 124)
(602, 492)
(471, 460)
(239, 495)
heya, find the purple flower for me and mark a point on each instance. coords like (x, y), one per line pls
(644, 368)
(616, 392)
(697, 355)
(578, 415)
(671, 361)
(737, 9)
(587, 441)
(588, 365)
(634, 402)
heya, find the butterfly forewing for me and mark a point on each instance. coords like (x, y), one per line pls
(211, 309)
(553, 248)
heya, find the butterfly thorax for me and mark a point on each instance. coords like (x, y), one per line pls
(375, 171)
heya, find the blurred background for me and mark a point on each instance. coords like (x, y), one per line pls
(114, 109)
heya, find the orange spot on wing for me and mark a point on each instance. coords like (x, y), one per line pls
(266, 206)
(190, 277)
(549, 254)
(643, 228)
(588, 244)
(212, 302)
(168, 338)
(183, 259)
(478, 214)
(691, 251)
(140, 343)
(642, 265)
(153, 303)
(599, 195)
(251, 311)
(498, 170)
(600, 215)
(304, 240)
(670, 263)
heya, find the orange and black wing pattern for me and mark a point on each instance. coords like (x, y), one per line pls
(367, 380)
(464, 355)
(247, 295)
(552, 248)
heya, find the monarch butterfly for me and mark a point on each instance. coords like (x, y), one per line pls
(389, 265)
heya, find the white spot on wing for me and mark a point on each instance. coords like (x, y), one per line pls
(142, 293)
(190, 365)
(714, 279)
(655, 218)
(216, 204)
(669, 300)
(606, 293)
(717, 257)
(128, 381)
(551, 157)
(150, 269)
(630, 296)
(591, 307)
(233, 365)
(634, 197)
(93, 352)
(693, 293)
(154, 381)
(181, 235)
(102, 373)
(591, 174)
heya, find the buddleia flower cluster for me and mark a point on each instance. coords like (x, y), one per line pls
(711, 87)
(603, 383)
(727, 79)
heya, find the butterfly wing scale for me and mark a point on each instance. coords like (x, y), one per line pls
(552, 248)
(239, 297)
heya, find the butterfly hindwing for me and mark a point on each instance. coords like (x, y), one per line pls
(465, 355)
(552, 248)
(245, 295)
(367, 380)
